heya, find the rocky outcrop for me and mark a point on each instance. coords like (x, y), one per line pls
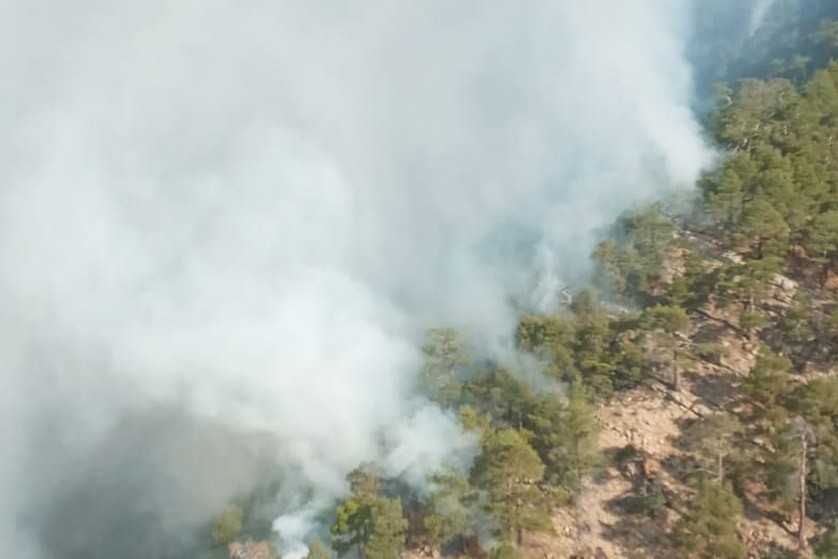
(784, 288)
(251, 550)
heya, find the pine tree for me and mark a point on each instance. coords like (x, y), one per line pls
(708, 529)
(387, 532)
(363, 482)
(826, 546)
(447, 516)
(472, 420)
(795, 326)
(571, 442)
(816, 403)
(509, 470)
(768, 384)
(228, 527)
(725, 199)
(316, 550)
(593, 336)
(765, 228)
(666, 326)
(374, 526)
(503, 396)
(550, 339)
(788, 464)
(747, 284)
(822, 244)
(352, 525)
(713, 439)
(445, 356)
(692, 289)
(611, 267)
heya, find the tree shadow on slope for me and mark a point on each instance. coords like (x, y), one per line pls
(639, 533)
(773, 550)
(714, 390)
(754, 510)
(710, 331)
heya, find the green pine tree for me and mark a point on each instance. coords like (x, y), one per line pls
(666, 327)
(708, 528)
(228, 527)
(316, 550)
(572, 448)
(509, 470)
(767, 385)
(713, 440)
(447, 506)
(387, 531)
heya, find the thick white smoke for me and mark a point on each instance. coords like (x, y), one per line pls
(252, 210)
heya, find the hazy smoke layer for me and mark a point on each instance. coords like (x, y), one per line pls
(249, 211)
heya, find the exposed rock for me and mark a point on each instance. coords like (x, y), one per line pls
(251, 550)
(784, 288)
(672, 266)
(732, 256)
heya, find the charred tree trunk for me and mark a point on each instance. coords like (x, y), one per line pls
(801, 525)
(676, 373)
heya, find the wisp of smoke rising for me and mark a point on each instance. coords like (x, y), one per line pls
(251, 211)
(759, 12)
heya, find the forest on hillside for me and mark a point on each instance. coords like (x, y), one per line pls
(755, 254)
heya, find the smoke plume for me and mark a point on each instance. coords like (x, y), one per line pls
(758, 14)
(224, 227)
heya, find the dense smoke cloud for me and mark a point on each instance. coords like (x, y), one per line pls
(249, 212)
